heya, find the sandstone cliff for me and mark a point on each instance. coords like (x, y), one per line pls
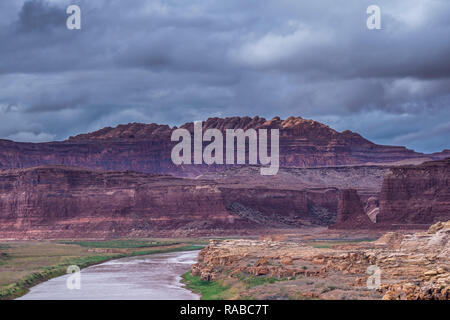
(56, 201)
(64, 202)
(416, 194)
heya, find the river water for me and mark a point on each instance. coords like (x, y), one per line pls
(153, 277)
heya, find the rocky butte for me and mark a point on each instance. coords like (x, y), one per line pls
(147, 147)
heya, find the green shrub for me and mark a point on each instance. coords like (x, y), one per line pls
(209, 290)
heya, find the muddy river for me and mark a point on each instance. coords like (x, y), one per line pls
(153, 277)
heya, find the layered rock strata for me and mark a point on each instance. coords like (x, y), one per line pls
(414, 266)
(65, 202)
(414, 195)
(147, 147)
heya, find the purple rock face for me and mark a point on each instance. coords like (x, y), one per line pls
(416, 194)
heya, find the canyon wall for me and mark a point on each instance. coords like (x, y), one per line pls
(67, 202)
(63, 202)
(410, 197)
(416, 194)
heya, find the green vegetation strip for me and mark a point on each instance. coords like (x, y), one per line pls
(153, 251)
(208, 290)
(216, 290)
(121, 244)
(22, 286)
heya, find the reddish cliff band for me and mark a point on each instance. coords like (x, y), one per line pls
(121, 182)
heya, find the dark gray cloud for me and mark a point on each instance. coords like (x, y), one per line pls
(40, 16)
(171, 61)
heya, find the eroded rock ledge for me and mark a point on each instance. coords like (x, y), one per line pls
(414, 266)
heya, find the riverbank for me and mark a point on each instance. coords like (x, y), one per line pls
(413, 266)
(28, 263)
(208, 290)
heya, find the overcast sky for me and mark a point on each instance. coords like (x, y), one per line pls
(175, 61)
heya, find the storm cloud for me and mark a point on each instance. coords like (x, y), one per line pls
(177, 61)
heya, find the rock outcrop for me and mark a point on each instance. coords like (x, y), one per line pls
(282, 207)
(351, 214)
(413, 266)
(372, 208)
(147, 147)
(414, 195)
(429, 269)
